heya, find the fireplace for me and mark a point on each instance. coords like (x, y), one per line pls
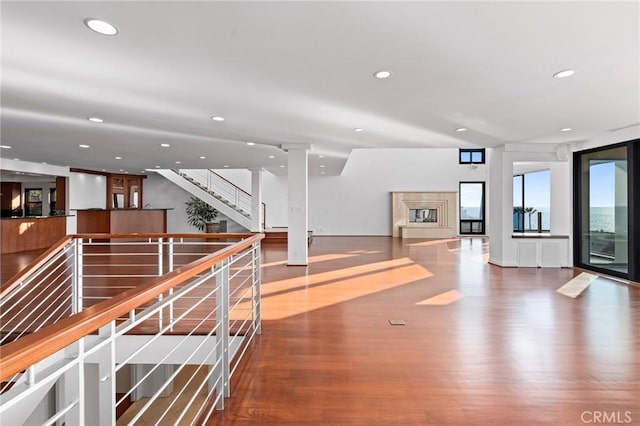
(424, 214)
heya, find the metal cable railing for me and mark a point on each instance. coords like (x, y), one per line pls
(162, 349)
(222, 189)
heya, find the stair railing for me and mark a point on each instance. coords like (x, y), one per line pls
(177, 337)
(224, 189)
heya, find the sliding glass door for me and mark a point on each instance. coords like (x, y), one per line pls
(604, 231)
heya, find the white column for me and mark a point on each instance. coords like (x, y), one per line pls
(256, 200)
(297, 163)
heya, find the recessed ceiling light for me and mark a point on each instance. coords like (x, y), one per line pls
(281, 165)
(84, 146)
(320, 156)
(226, 166)
(461, 129)
(202, 157)
(272, 156)
(157, 167)
(564, 73)
(122, 170)
(5, 146)
(95, 119)
(382, 74)
(217, 118)
(104, 170)
(358, 129)
(178, 162)
(126, 173)
(118, 158)
(44, 162)
(100, 26)
(165, 145)
(321, 165)
(321, 173)
(16, 159)
(251, 143)
(566, 129)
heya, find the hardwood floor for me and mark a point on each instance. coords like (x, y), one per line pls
(481, 345)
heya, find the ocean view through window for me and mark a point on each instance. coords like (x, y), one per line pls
(603, 210)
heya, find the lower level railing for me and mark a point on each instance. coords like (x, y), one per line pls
(161, 352)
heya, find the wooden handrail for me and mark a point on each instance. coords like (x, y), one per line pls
(160, 235)
(9, 285)
(32, 348)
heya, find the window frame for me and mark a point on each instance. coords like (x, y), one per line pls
(472, 151)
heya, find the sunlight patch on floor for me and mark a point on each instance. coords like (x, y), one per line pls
(433, 243)
(442, 299)
(323, 277)
(313, 259)
(295, 296)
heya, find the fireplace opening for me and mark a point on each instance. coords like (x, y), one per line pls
(423, 215)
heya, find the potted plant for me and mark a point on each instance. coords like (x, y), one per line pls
(201, 215)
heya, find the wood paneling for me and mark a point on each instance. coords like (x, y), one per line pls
(137, 220)
(22, 234)
(11, 195)
(93, 221)
(122, 221)
(61, 193)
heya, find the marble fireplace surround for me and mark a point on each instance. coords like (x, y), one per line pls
(445, 202)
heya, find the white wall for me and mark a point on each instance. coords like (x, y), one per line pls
(158, 192)
(86, 191)
(358, 202)
(503, 249)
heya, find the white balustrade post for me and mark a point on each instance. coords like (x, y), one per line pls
(106, 359)
(70, 394)
(257, 296)
(170, 254)
(76, 277)
(222, 335)
(160, 257)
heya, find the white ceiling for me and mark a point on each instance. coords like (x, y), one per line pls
(301, 72)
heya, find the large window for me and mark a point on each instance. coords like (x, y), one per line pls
(532, 201)
(605, 236)
(472, 208)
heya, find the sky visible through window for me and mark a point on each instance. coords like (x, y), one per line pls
(602, 184)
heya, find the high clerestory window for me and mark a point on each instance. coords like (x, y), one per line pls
(472, 156)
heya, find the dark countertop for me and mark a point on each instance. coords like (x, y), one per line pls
(35, 217)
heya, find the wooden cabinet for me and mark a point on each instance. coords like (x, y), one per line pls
(124, 192)
(11, 195)
(122, 221)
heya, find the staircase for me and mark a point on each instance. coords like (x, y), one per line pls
(224, 196)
